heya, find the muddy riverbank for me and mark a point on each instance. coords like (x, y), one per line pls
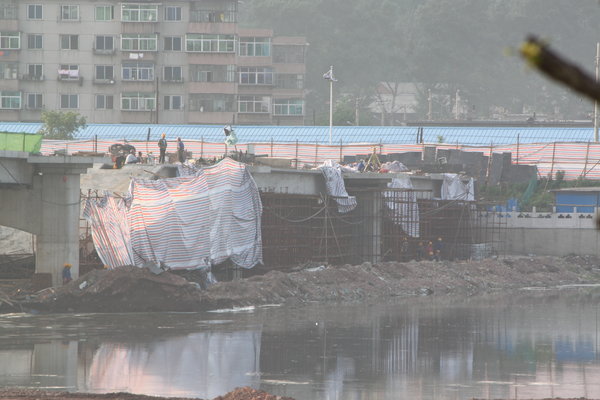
(244, 393)
(131, 289)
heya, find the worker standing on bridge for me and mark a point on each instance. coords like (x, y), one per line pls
(180, 150)
(162, 146)
(66, 273)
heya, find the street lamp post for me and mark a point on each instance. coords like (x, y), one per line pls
(329, 76)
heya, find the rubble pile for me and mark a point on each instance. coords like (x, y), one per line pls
(247, 393)
(132, 289)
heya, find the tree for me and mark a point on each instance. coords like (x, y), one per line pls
(61, 125)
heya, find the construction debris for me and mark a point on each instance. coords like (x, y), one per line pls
(132, 289)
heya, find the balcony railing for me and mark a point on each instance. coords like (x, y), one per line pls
(74, 78)
(216, 16)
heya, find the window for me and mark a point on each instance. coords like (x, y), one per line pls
(173, 103)
(203, 43)
(138, 101)
(105, 13)
(10, 41)
(137, 71)
(69, 101)
(34, 11)
(69, 13)
(212, 73)
(8, 10)
(254, 104)
(172, 74)
(34, 41)
(35, 71)
(172, 13)
(256, 76)
(104, 102)
(288, 107)
(288, 54)
(34, 101)
(9, 70)
(289, 81)
(211, 102)
(104, 72)
(139, 13)
(105, 44)
(10, 100)
(69, 42)
(68, 72)
(133, 42)
(252, 46)
(173, 43)
(216, 12)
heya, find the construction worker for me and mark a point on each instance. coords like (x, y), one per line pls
(180, 150)
(437, 249)
(162, 146)
(66, 273)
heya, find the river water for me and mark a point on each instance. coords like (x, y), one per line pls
(535, 344)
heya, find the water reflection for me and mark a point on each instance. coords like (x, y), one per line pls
(536, 346)
(203, 364)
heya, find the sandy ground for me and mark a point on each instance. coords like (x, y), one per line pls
(131, 289)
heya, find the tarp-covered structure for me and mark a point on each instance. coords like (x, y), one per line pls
(453, 188)
(27, 142)
(186, 222)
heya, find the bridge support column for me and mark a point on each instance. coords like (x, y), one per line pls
(58, 240)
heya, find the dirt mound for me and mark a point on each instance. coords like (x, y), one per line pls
(32, 394)
(247, 393)
(132, 289)
(124, 289)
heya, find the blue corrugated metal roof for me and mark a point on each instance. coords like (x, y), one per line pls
(320, 134)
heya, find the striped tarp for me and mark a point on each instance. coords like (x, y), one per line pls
(574, 158)
(110, 230)
(334, 182)
(185, 222)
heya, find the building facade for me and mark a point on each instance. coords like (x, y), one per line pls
(170, 62)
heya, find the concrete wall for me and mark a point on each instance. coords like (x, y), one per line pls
(551, 234)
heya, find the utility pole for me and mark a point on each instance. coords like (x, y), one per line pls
(457, 105)
(596, 101)
(156, 100)
(430, 110)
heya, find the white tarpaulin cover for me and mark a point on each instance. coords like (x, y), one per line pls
(335, 186)
(184, 222)
(453, 188)
(404, 205)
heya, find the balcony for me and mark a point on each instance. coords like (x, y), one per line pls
(70, 76)
(213, 16)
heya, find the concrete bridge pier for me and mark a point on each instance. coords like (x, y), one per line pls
(58, 237)
(41, 195)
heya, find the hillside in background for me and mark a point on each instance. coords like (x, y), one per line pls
(444, 45)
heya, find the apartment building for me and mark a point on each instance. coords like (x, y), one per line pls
(169, 62)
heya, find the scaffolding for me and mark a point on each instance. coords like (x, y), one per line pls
(387, 225)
